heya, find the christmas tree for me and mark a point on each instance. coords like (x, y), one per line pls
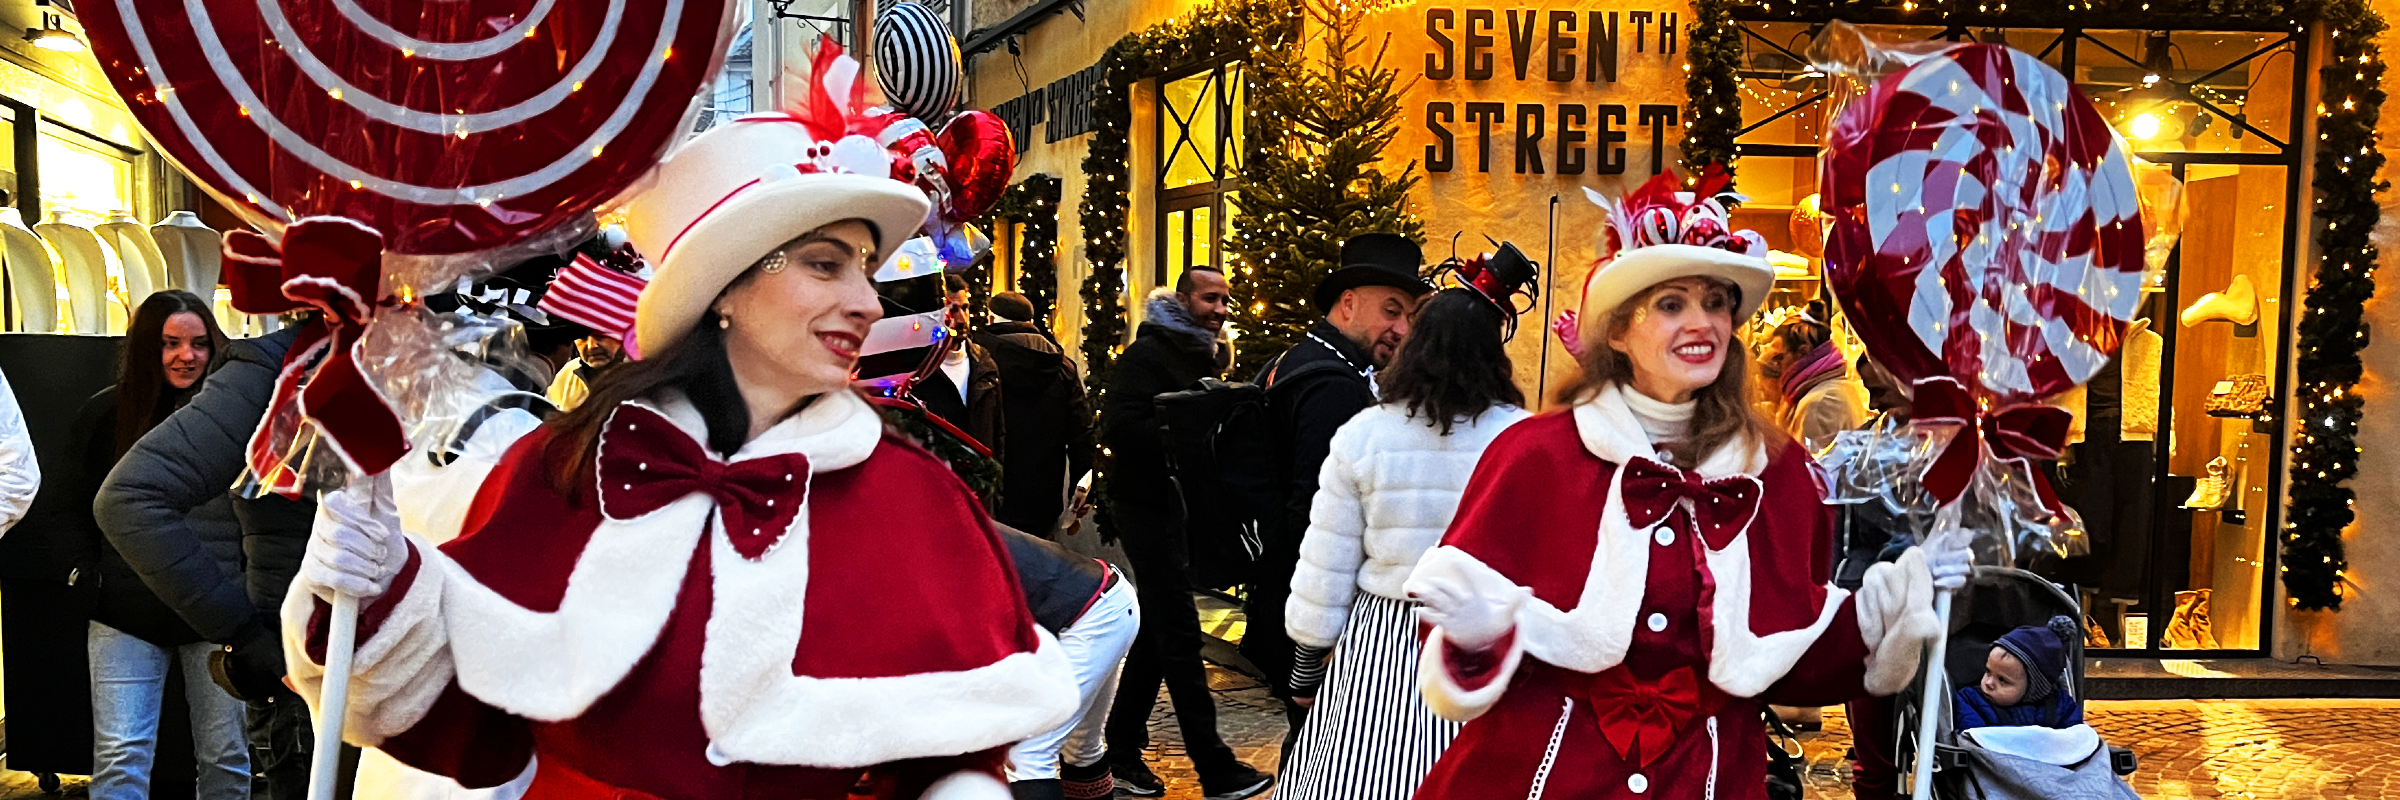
(1313, 177)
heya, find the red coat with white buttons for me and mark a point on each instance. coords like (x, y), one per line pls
(828, 605)
(1666, 609)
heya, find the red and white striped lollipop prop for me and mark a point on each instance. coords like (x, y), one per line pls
(1987, 244)
(448, 127)
(1986, 226)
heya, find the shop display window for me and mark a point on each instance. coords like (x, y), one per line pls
(1200, 139)
(2175, 460)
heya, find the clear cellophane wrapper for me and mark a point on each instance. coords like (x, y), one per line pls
(441, 372)
(2000, 515)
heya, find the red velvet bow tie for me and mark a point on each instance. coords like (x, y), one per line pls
(647, 463)
(1640, 718)
(1723, 506)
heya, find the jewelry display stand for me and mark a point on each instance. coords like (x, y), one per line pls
(32, 274)
(86, 267)
(137, 256)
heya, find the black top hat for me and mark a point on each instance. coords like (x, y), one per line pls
(1374, 259)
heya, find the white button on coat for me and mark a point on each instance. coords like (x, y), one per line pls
(1658, 622)
(1638, 783)
(1664, 535)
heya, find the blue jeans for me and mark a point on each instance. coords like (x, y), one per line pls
(129, 682)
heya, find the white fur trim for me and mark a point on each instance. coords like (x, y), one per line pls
(757, 711)
(551, 666)
(1451, 701)
(1895, 617)
(1610, 431)
(396, 674)
(1596, 634)
(967, 785)
(1741, 662)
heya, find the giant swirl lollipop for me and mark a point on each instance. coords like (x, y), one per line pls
(1988, 246)
(448, 127)
(408, 127)
(1987, 243)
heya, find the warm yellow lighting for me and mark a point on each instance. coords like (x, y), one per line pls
(2144, 126)
(54, 38)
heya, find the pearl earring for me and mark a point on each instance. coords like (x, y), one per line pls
(724, 322)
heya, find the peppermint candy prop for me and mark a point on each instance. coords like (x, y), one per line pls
(1988, 245)
(430, 130)
(448, 127)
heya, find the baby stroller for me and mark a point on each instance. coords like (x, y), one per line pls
(1995, 601)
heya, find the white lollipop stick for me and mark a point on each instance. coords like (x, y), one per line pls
(1929, 712)
(333, 700)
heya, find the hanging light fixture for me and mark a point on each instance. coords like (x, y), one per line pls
(53, 34)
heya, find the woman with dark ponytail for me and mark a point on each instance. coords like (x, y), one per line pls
(1387, 492)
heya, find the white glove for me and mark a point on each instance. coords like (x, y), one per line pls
(356, 547)
(1950, 567)
(1472, 611)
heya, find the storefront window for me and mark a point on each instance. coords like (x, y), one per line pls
(1201, 138)
(81, 182)
(2175, 463)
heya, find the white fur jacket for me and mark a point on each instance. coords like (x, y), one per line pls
(1384, 497)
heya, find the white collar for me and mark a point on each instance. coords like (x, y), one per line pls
(837, 431)
(1611, 431)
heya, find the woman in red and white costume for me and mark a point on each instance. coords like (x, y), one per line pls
(1630, 580)
(720, 577)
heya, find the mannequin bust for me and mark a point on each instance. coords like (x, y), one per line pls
(32, 275)
(86, 269)
(191, 251)
(145, 271)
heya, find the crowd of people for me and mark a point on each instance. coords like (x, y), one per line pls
(714, 569)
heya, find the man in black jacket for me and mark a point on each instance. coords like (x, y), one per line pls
(1175, 347)
(1323, 381)
(184, 463)
(1048, 418)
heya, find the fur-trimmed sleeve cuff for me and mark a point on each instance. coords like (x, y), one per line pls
(1896, 619)
(402, 660)
(1459, 684)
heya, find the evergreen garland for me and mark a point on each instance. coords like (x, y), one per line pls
(1713, 45)
(1033, 202)
(2331, 332)
(1225, 31)
(1315, 184)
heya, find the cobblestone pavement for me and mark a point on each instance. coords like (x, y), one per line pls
(2188, 749)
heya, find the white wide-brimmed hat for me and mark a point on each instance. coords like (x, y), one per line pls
(729, 196)
(1662, 232)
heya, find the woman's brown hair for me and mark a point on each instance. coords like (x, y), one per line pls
(142, 377)
(1721, 411)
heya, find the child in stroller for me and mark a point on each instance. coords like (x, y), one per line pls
(2025, 681)
(2003, 755)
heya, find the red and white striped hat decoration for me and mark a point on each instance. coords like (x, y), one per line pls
(596, 297)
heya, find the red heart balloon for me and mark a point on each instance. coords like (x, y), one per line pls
(448, 126)
(982, 157)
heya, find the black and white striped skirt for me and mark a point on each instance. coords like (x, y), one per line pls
(1370, 736)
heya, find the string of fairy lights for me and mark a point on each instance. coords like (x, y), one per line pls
(1033, 203)
(2332, 331)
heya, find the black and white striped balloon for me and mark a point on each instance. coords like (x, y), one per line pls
(916, 62)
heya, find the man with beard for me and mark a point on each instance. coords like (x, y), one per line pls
(1367, 304)
(1176, 346)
